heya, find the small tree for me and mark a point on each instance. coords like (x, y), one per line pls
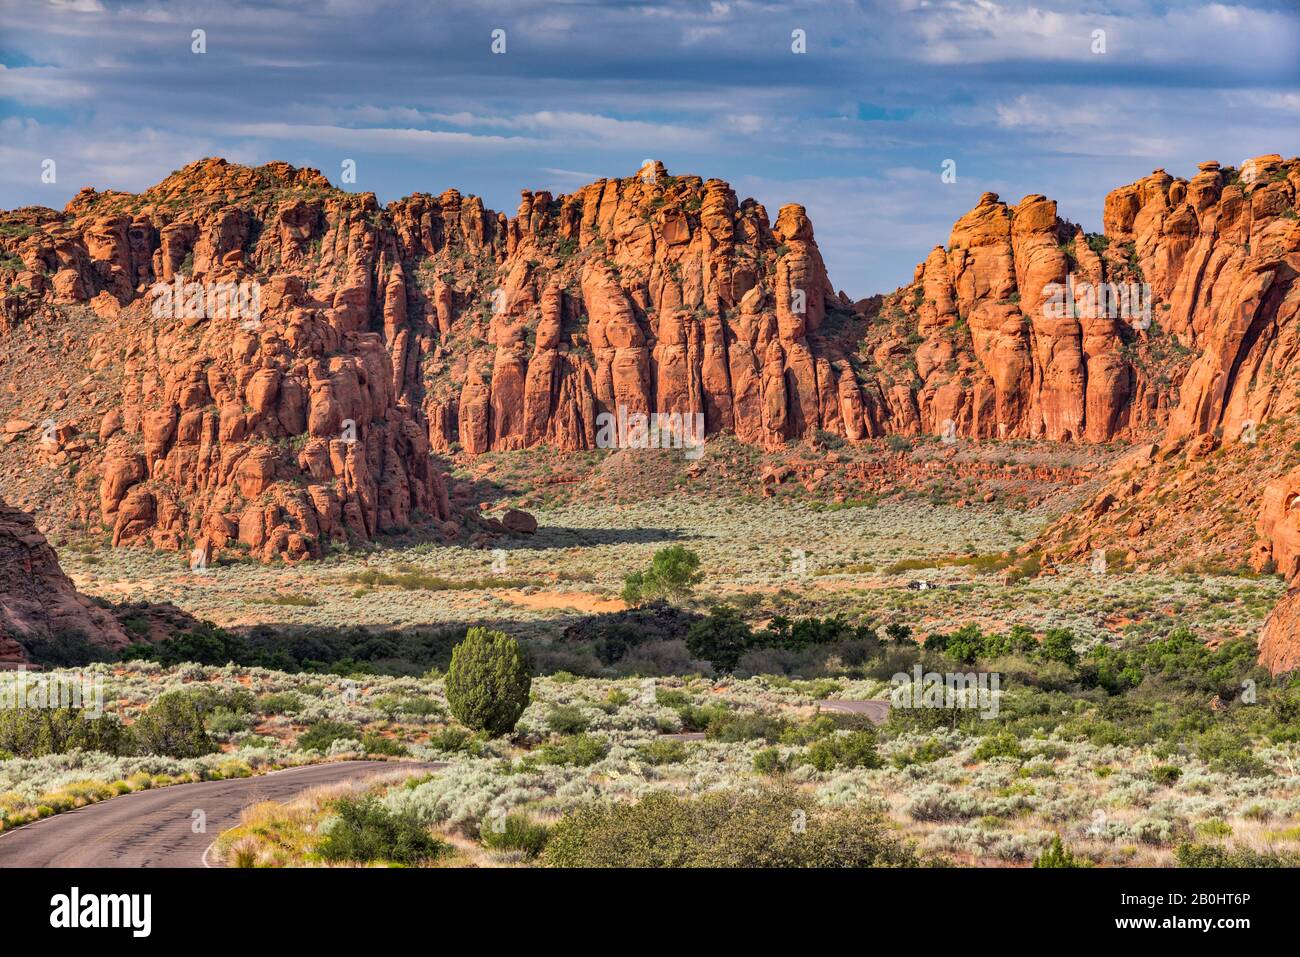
(896, 631)
(1056, 854)
(673, 573)
(1058, 645)
(173, 726)
(34, 732)
(965, 645)
(488, 682)
(721, 638)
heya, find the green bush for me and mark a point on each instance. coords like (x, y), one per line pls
(1056, 855)
(898, 632)
(928, 751)
(1214, 828)
(365, 831)
(488, 682)
(1216, 855)
(720, 639)
(671, 698)
(452, 739)
(811, 730)
(745, 726)
(803, 633)
(579, 749)
(769, 762)
(613, 701)
(514, 833)
(35, 732)
(672, 575)
(969, 644)
(283, 702)
(964, 645)
(1058, 645)
(293, 648)
(1229, 752)
(173, 726)
(323, 733)
(373, 743)
(225, 721)
(418, 706)
(856, 749)
(701, 718)
(1003, 744)
(669, 751)
(1180, 662)
(1166, 774)
(567, 719)
(777, 827)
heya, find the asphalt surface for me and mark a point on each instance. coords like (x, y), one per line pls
(157, 828)
(877, 712)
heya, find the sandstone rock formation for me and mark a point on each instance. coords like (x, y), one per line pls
(1279, 528)
(652, 293)
(1279, 643)
(281, 422)
(1222, 253)
(435, 324)
(38, 603)
(1279, 525)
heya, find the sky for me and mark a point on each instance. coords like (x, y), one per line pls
(1012, 97)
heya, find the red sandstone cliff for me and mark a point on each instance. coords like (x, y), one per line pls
(37, 601)
(434, 324)
(284, 431)
(1222, 253)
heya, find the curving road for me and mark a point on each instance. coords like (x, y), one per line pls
(157, 828)
(876, 710)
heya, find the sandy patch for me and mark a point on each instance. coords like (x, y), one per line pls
(562, 600)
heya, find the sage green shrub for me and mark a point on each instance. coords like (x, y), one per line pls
(777, 827)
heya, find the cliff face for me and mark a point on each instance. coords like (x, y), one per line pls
(1206, 351)
(37, 601)
(996, 357)
(1279, 529)
(652, 293)
(436, 325)
(285, 421)
(1222, 253)
(664, 294)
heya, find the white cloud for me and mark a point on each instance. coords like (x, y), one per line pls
(375, 139)
(961, 32)
(98, 156)
(42, 85)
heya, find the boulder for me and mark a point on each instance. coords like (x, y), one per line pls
(519, 522)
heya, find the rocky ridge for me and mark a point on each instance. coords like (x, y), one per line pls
(433, 324)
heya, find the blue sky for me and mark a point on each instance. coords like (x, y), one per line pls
(857, 128)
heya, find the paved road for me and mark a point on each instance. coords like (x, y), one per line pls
(877, 711)
(156, 828)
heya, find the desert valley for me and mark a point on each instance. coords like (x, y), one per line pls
(271, 451)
